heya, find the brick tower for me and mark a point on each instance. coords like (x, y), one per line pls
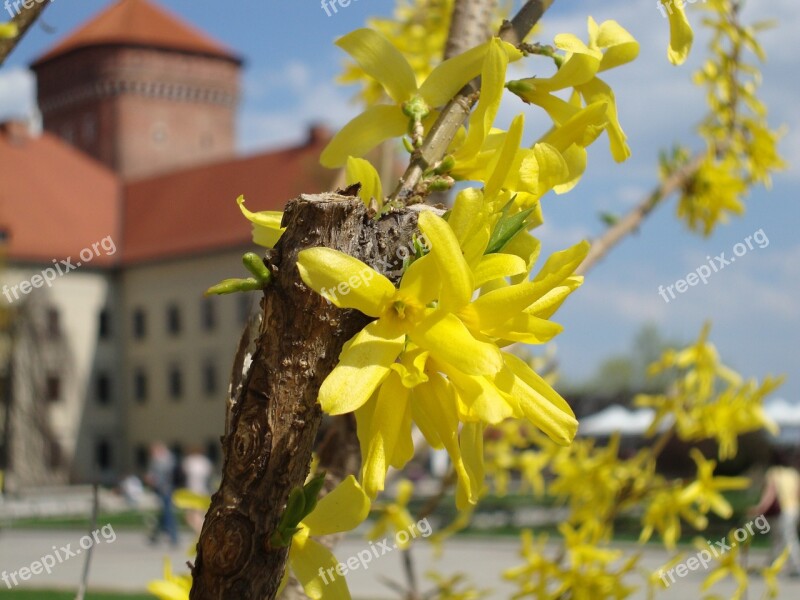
(141, 91)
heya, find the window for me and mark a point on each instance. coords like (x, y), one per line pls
(175, 383)
(243, 307)
(53, 323)
(104, 324)
(140, 386)
(53, 388)
(139, 323)
(173, 319)
(89, 128)
(54, 454)
(213, 451)
(141, 456)
(103, 389)
(102, 454)
(208, 314)
(210, 378)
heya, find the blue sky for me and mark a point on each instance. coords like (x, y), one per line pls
(289, 82)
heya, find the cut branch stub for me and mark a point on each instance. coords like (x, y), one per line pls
(275, 418)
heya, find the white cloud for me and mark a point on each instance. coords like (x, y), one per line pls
(17, 94)
(306, 100)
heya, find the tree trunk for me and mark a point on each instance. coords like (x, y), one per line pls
(274, 420)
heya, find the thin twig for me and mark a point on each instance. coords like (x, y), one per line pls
(470, 25)
(23, 20)
(455, 113)
(631, 221)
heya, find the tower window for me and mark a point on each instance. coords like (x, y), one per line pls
(210, 378)
(53, 388)
(175, 383)
(104, 324)
(139, 323)
(102, 454)
(208, 314)
(173, 319)
(140, 386)
(53, 323)
(103, 389)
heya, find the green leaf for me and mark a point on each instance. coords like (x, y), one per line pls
(507, 227)
(311, 492)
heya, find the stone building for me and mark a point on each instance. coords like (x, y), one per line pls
(134, 178)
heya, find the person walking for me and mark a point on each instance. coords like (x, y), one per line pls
(197, 469)
(780, 503)
(160, 477)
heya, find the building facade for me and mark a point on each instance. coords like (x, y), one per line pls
(115, 219)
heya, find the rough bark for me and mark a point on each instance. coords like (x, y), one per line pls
(24, 20)
(274, 420)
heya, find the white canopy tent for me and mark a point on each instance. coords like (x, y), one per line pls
(617, 418)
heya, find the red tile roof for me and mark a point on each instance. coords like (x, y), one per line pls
(194, 211)
(54, 200)
(140, 23)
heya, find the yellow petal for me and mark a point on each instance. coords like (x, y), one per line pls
(344, 280)
(373, 126)
(505, 157)
(363, 364)
(267, 228)
(361, 171)
(540, 403)
(472, 451)
(559, 266)
(493, 79)
(382, 61)
(680, 32)
(421, 280)
(168, 590)
(527, 329)
(388, 425)
(581, 128)
(343, 509)
(495, 266)
(550, 302)
(188, 500)
(496, 307)
(466, 207)
(579, 67)
(479, 399)
(456, 277)
(598, 91)
(449, 77)
(449, 341)
(621, 47)
(310, 561)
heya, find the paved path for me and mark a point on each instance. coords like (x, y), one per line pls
(128, 563)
